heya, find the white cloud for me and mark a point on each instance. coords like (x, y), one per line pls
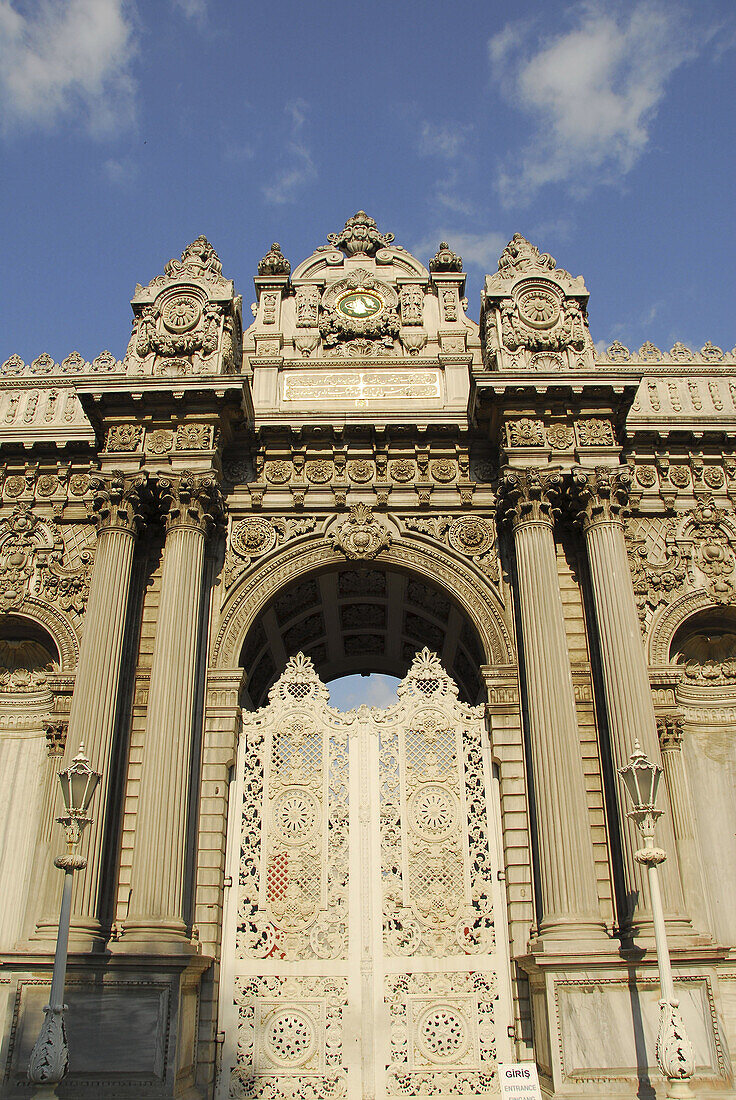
(192, 9)
(593, 92)
(66, 59)
(477, 249)
(121, 171)
(441, 141)
(376, 690)
(299, 168)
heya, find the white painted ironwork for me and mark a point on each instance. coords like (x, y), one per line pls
(364, 948)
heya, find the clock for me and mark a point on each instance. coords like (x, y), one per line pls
(359, 305)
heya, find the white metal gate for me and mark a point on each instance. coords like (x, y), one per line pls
(364, 949)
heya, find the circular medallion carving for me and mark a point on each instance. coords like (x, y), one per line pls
(46, 485)
(278, 471)
(646, 476)
(433, 812)
(680, 476)
(443, 469)
(253, 536)
(78, 484)
(290, 1037)
(539, 306)
(713, 477)
(181, 313)
(359, 305)
(14, 485)
(319, 471)
(471, 535)
(403, 469)
(360, 470)
(442, 1034)
(296, 815)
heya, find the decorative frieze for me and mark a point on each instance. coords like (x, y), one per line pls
(361, 535)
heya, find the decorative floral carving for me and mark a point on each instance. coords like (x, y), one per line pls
(473, 536)
(618, 353)
(658, 565)
(646, 476)
(78, 484)
(274, 262)
(594, 433)
(520, 255)
(360, 237)
(649, 353)
(46, 485)
(360, 470)
(602, 494)
(198, 259)
(403, 469)
(443, 469)
(381, 326)
(319, 470)
(33, 561)
(159, 441)
(124, 437)
(253, 537)
(411, 298)
(13, 365)
(445, 259)
(525, 433)
(193, 437)
(278, 471)
(360, 536)
(713, 477)
(307, 306)
(681, 353)
(713, 555)
(680, 476)
(14, 485)
(560, 436)
(711, 352)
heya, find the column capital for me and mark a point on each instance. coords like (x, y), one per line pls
(669, 731)
(529, 495)
(600, 495)
(191, 500)
(117, 502)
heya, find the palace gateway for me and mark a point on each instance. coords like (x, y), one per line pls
(284, 900)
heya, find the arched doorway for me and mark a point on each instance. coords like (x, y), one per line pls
(364, 948)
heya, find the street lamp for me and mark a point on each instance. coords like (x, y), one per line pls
(49, 1060)
(674, 1051)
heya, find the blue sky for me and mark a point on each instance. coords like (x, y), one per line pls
(602, 131)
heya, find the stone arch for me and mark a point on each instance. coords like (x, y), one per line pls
(666, 625)
(473, 594)
(58, 627)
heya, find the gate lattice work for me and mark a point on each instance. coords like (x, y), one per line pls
(364, 952)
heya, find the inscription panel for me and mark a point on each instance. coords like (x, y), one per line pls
(360, 386)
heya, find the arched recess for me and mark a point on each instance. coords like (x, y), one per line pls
(56, 625)
(29, 664)
(671, 619)
(476, 600)
(703, 648)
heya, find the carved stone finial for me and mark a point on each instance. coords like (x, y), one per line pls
(360, 237)
(198, 258)
(520, 255)
(360, 536)
(274, 262)
(529, 496)
(600, 495)
(445, 259)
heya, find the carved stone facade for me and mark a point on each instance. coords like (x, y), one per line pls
(537, 540)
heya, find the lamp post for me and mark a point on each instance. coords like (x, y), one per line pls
(49, 1060)
(674, 1051)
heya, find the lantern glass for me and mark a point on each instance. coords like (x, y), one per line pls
(641, 778)
(78, 784)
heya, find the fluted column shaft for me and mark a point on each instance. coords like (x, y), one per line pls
(158, 874)
(569, 899)
(600, 496)
(94, 703)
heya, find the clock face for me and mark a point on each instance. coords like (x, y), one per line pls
(359, 305)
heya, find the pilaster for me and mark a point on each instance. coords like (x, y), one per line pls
(569, 901)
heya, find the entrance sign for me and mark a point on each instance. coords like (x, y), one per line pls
(519, 1081)
(364, 951)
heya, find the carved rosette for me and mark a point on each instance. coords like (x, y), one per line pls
(258, 535)
(472, 536)
(529, 495)
(600, 495)
(361, 535)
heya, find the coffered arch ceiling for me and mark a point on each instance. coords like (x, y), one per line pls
(359, 619)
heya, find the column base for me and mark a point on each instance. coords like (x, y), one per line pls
(567, 937)
(155, 938)
(85, 937)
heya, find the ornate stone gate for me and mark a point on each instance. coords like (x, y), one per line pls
(365, 951)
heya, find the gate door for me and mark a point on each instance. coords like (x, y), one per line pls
(364, 950)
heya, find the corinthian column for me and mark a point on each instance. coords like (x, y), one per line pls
(569, 898)
(157, 915)
(117, 512)
(599, 497)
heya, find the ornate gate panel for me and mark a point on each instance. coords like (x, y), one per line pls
(364, 949)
